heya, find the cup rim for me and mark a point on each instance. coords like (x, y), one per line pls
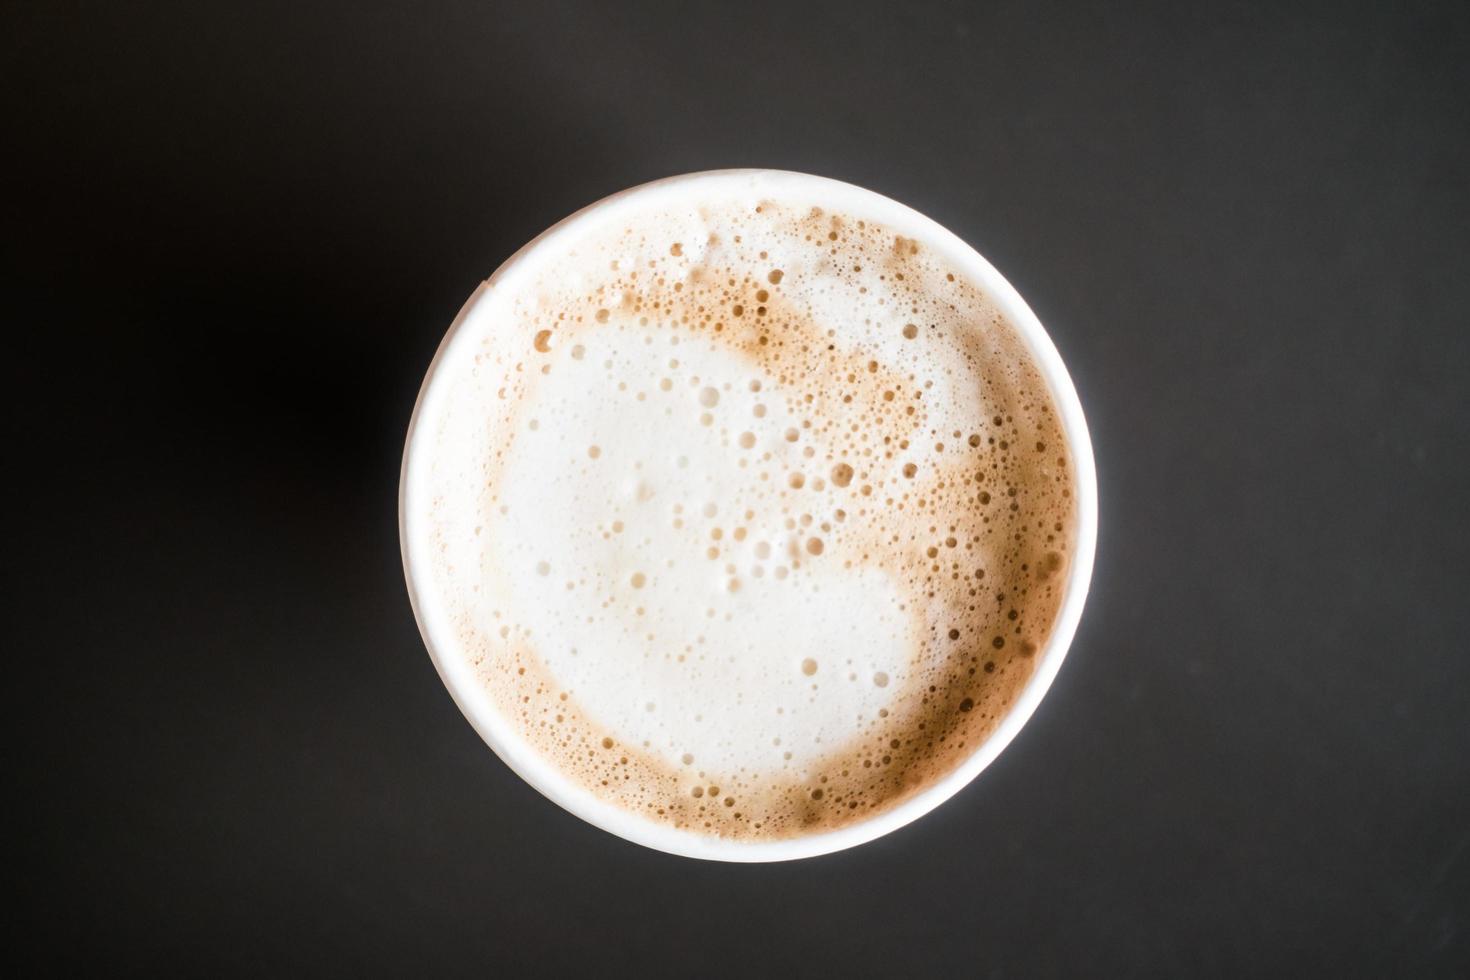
(500, 736)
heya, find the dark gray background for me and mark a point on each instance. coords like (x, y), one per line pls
(236, 232)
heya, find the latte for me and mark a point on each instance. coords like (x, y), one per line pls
(747, 516)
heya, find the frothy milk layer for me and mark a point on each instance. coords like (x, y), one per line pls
(750, 517)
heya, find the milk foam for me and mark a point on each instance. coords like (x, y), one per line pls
(705, 598)
(750, 516)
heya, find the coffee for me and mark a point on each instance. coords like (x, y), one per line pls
(749, 516)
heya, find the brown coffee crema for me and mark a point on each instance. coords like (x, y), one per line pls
(972, 520)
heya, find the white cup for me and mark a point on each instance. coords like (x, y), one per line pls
(487, 305)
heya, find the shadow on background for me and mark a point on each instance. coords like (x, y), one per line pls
(242, 246)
